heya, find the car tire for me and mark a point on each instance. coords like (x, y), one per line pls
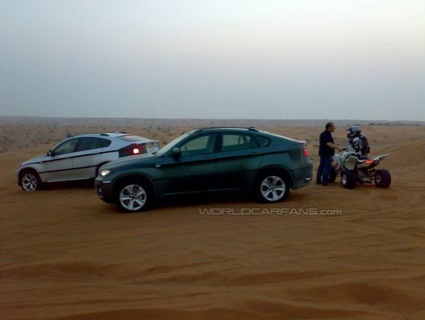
(382, 178)
(272, 187)
(133, 195)
(29, 180)
(348, 179)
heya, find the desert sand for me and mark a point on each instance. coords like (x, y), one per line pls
(67, 255)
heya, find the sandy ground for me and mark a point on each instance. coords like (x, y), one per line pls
(67, 255)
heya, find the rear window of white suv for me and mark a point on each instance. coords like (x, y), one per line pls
(132, 138)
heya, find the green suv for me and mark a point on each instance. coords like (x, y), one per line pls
(208, 160)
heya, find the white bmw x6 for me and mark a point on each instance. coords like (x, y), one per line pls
(80, 157)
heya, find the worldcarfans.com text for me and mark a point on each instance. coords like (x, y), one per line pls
(269, 212)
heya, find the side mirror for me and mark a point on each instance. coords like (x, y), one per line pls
(176, 153)
(51, 153)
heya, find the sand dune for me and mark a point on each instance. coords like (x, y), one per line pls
(67, 255)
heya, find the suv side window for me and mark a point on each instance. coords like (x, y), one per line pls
(263, 141)
(238, 141)
(66, 147)
(198, 146)
(89, 143)
(103, 143)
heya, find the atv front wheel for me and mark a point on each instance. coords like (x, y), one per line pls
(382, 178)
(332, 175)
(348, 179)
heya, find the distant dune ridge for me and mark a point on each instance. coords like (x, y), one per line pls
(24, 132)
(67, 255)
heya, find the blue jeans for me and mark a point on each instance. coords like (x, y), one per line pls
(324, 169)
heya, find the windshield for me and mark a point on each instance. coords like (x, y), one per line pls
(171, 144)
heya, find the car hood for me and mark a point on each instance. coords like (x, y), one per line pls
(139, 159)
(34, 160)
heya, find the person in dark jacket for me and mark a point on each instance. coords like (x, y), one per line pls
(327, 149)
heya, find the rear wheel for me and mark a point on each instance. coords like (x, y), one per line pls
(348, 179)
(382, 178)
(133, 195)
(273, 187)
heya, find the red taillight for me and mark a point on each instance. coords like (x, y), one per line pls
(306, 153)
(369, 161)
(131, 150)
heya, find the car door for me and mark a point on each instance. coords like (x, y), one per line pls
(193, 169)
(237, 161)
(57, 164)
(86, 157)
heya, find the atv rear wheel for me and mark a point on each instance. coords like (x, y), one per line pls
(382, 178)
(348, 179)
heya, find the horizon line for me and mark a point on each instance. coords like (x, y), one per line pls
(213, 119)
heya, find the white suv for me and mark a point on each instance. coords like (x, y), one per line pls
(80, 157)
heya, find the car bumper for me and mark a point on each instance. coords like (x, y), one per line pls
(303, 176)
(303, 183)
(103, 190)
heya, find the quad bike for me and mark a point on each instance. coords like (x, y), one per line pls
(354, 169)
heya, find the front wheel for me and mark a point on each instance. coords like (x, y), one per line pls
(382, 178)
(133, 195)
(272, 188)
(348, 179)
(30, 181)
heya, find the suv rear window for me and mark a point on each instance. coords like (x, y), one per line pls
(237, 141)
(131, 138)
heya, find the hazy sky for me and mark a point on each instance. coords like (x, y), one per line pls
(270, 59)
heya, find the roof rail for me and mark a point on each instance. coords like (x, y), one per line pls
(247, 128)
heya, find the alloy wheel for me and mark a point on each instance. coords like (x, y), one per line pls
(273, 188)
(29, 182)
(133, 197)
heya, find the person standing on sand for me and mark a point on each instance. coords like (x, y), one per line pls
(326, 151)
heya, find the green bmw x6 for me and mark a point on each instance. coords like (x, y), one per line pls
(208, 160)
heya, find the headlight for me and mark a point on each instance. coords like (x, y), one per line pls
(104, 173)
